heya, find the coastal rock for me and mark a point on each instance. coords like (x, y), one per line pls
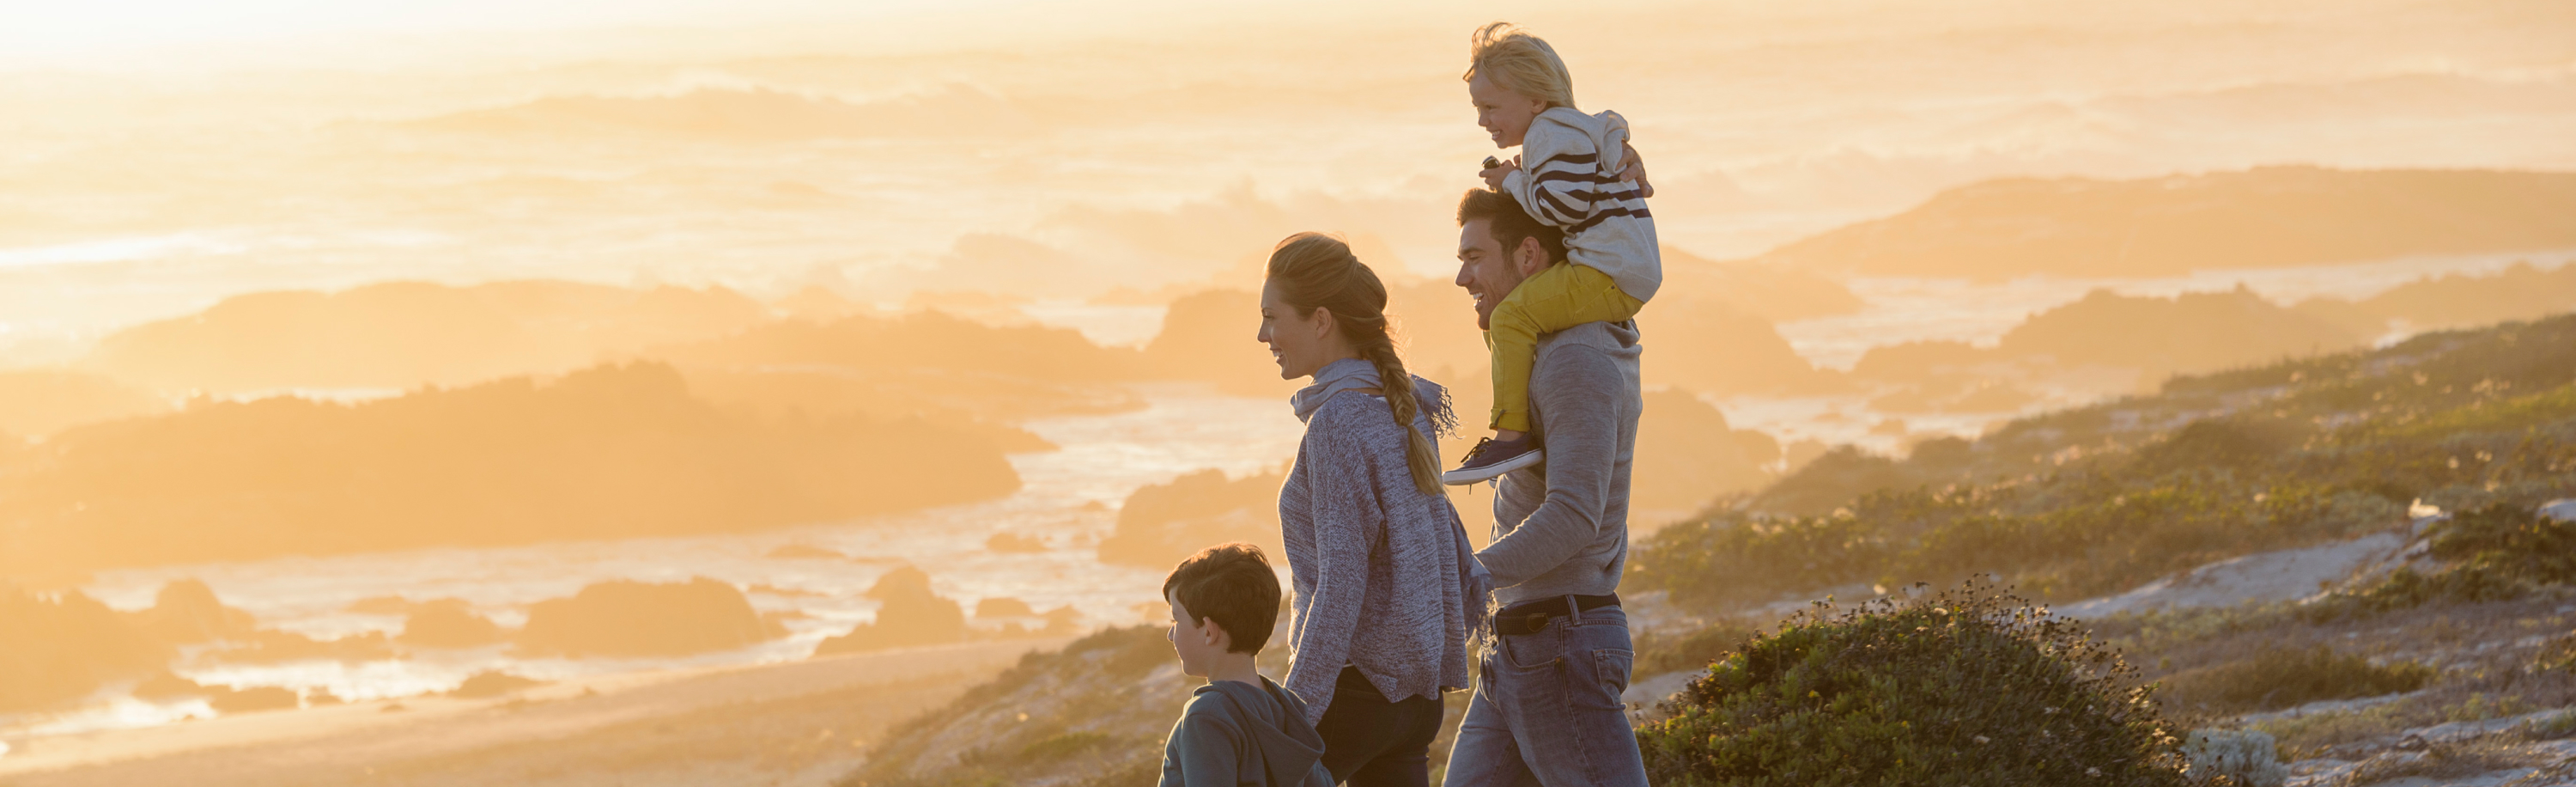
(627, 618)
(492, 683)
(1003, 607)
(910, 615)
(186, 612)
(54, 650)
(448, 623)
(255, 699)
(1161, 524)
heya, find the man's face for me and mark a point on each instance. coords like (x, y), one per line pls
(1485, 270)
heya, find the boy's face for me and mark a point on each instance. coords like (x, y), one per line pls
(1197, 640)
(1504, 114)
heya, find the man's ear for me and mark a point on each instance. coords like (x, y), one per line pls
(1530, 258)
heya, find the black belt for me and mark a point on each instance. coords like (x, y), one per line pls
(1530, 617)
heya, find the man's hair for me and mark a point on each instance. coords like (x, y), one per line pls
(1509, 56)
(1233, 585)
(1510, 223)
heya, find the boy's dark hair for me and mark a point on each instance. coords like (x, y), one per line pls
(1233, 585)
(1510, 223)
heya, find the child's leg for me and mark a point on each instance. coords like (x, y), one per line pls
(1563, 296)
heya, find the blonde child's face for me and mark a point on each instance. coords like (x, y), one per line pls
(1503, 113)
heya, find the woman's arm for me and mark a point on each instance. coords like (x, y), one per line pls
(1346, 513)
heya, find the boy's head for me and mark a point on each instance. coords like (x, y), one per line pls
(1224, 600)
(1513, 76)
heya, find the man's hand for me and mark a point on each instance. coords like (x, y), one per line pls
(1635, 170)
(1494, 176)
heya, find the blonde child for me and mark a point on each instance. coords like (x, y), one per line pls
(1567, 176)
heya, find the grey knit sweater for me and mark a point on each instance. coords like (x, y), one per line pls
(1375, 561)
(1561, 527)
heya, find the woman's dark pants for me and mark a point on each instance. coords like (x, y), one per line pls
(1371, 742)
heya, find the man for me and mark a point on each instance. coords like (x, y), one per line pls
(1547, 707)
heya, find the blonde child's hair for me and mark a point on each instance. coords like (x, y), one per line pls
(1512, 58)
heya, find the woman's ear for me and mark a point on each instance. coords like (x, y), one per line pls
(1325, 325)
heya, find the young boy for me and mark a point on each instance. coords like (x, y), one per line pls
(1240, 728)
(1566, 176)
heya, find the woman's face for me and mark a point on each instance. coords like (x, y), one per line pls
(1299, 343)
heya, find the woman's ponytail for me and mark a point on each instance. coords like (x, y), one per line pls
(1314, 271)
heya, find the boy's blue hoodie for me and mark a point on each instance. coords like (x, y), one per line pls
(1235, 734)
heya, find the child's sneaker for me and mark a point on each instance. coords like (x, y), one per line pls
(1491, 458)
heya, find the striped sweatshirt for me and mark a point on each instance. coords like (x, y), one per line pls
(1569, 178)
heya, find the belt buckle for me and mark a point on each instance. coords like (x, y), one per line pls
(1536, 622)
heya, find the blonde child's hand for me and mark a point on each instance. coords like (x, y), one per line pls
(1494, 176)
(1635, 170)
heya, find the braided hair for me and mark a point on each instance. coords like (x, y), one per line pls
(1318, 271)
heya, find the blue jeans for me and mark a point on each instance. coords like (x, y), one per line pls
(1547, 709)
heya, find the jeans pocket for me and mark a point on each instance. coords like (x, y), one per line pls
(1609, 680)
(1533, 650)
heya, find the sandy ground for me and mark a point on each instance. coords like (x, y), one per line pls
(803, 723)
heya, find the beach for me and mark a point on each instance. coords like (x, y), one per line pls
(798, 723)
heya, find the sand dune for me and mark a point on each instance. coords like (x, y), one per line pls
(800, 723)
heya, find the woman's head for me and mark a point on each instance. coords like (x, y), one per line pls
(1320, 304)
(1511, 77)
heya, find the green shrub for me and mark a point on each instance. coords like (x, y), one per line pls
(2282, 678)
(1970, 686)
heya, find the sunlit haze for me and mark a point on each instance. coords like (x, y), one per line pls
(366, 366)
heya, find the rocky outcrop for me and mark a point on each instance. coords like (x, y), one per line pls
(186, 612)
(61, 648)
(615, 451)
(448, 623)
(624, 619)
(2267, 217)
(1160, 524)
(908, 614)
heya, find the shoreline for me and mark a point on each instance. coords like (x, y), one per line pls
(731, 722)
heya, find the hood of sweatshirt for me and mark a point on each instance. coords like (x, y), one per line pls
(1276, 720)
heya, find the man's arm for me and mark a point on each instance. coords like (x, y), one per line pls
(1580, 422)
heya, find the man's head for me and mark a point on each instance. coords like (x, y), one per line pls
(1498, 246)
(1224, 600)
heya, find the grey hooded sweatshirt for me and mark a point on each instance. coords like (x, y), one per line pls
(1235, 734)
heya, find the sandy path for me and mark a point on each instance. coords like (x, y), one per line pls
(803, 723)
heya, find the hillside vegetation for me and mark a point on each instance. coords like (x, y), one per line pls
(2099, 499)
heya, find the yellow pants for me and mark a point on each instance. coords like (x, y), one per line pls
(1563, 296)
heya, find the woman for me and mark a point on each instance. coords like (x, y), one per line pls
(1387, 589)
